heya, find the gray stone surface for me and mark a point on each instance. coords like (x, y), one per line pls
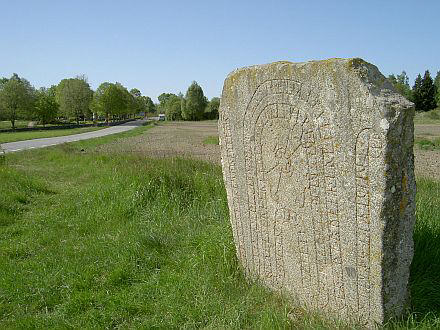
(318, 166)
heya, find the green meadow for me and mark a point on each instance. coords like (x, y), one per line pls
(109, 240)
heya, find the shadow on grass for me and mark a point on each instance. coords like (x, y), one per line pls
(425, 268)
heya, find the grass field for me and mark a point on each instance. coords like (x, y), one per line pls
(4, 124)
(428, 144)
(30, 135)
(211, 140)
(105, 240)
(429, 117)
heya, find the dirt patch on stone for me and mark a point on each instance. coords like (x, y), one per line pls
(172, 139)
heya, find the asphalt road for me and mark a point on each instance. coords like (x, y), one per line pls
(47, 142)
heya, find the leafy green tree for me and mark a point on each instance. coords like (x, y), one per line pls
(211, 111)
(137, 102)
(17, 97)
(133, 105)
(401, 84)
(3, 81)
(135, 92)
(114, 101)
(96, 105)
(182, 104)
(150, 107)
(163, 99)
(195, 103)
(173, 107)
(74, 97)
(52, 91)
(46, 107)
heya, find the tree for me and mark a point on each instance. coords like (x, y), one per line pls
(401, 84)
(426, 91)
(46, 107)
(437, 86)
(135, 92)
(173, 107)
(416, 92)
(17, 98)
(150, 107)
(163, 99)
(195, 103)
(137, 102)
(113, 101)
(3, 81)
(211, 111)
(74, 97)
(96, 105)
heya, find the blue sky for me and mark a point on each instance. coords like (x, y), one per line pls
(162, 46)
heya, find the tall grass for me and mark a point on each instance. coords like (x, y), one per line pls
(93, 240)
(425, 269)
(121, 241)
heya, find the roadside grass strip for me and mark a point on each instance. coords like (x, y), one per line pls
(6, 137)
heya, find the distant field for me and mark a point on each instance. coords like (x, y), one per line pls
(18, 124)
(99, 234)
(30, 135)
(429, 117)
(211, 140)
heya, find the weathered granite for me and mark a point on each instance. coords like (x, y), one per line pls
(318, 165)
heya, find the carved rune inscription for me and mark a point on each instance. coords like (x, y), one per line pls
(318, 166)
(292, 199)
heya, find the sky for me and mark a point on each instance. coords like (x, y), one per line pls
(162, 46)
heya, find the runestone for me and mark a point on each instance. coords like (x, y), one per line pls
(318, 165)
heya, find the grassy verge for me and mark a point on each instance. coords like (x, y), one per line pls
(30, 135)
(24, 123)
(93, 240)
(427, 144)
(211, 140)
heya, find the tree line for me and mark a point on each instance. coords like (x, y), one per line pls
(425, 93)
(71, 99)
(192, 106)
